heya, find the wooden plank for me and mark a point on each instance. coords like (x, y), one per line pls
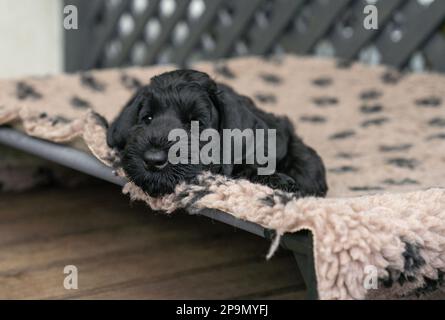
(196, 31)
(228, 36)
(348, 48)
(421, 22)
(284, 12)
(13, 208)
(223, 282)
(36, 226)
(167, 26)
(139, 28)
(125, 252)
(32, 256)
(324, 13)
(105, 210)
(114, 270)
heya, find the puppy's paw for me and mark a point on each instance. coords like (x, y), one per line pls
(279, 181)
(311, 187)
(287, 184)
(117, 163)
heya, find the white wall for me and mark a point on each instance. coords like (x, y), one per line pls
(31, 37)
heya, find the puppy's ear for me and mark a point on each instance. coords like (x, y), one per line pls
(236, 112)
(118, 132)
(212, 91)
(204, 81)
(209, 85)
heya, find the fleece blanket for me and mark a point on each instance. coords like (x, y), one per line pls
(381, 135)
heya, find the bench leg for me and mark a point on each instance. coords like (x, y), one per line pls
(301, 245)
(305, 263)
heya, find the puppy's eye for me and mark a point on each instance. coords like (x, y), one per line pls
(147, 119)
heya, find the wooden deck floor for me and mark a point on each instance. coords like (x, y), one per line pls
(127, 252)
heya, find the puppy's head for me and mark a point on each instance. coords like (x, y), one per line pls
(140, 133)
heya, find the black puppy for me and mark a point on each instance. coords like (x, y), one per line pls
(171, 101)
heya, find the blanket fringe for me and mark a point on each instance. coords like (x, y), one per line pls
(274, 246)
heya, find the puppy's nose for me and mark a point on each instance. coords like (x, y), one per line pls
(156, 158)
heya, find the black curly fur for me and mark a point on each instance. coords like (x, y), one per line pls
(173, 100)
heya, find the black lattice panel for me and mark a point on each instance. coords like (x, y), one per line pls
(142, 32)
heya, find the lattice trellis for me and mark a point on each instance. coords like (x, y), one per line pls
(142, 32)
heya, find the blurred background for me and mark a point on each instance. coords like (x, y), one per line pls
(113, 33)
(47, 228)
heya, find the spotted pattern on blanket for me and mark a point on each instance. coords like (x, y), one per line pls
(380, 133)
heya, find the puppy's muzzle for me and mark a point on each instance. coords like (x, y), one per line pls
(155, 159)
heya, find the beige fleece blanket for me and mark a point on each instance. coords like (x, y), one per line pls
(381, 135)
